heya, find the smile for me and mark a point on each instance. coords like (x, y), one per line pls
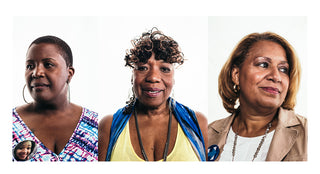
(271, 90)
(154, 92)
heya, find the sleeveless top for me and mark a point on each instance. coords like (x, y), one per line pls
(182, 151)
(185, 116)
(82, 145)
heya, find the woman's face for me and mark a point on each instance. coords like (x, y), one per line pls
(46, 72)
(264, 76)
(24, 150)
(153, 82)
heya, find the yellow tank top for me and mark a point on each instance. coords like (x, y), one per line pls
(123, 150)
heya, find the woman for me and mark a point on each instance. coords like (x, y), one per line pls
(262, 75)
(63, 131)
(153, 126)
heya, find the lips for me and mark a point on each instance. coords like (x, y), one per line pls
(22, 155)
(152, 92)
(39, 86)
(271, 90)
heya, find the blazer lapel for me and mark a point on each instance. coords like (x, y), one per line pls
(222, 129)
(284, 137)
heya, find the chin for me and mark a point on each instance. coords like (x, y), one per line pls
(152, 103)
(269, 104)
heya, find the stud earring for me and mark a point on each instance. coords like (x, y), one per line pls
(236, 89)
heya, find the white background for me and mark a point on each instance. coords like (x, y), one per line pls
(138, 8)
(226, 32)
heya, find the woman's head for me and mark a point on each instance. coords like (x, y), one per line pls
(152, 58)
(23, 150)
(62, 46)
(273, 62)
(48, 69)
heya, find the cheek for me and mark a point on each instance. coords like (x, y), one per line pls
(285, 84)
(136, 80)
(169, 82)
(249, 78)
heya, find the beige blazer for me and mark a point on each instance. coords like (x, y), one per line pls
(289, 142)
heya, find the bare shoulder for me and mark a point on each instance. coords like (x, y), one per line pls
(104, 136)
(22, 108)
(105, 123)
(201, 118)
(203, 123)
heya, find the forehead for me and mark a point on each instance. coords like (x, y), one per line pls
(153, 60)
(267, 48)
(27, 143)
(44, 50)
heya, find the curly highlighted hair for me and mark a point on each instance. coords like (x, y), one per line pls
(154, 41)
(229, 95)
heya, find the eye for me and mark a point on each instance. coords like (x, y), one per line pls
(142, 68)
(284, 69)
(48, 64)
(263, 64)
(165, 69)
(29, 66)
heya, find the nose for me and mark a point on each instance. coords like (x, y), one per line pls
(38, 71)
(274, 75)
(153, 76)
(24, 150)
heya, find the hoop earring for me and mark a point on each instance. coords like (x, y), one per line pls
(23, 94)
(69, 98)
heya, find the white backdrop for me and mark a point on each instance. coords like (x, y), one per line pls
(145, 8)
(101, 81)
(226, 32)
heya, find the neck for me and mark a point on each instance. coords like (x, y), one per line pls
(250, 123)
(50, 106)
(152, 111)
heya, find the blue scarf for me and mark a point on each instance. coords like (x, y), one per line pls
(185, 117)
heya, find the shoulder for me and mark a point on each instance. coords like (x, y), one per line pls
(222, 121)
(292, 118)
(22, 108)
(201, 117)
(221, 124)
(105, 123)
(89, 112)
(202, 121)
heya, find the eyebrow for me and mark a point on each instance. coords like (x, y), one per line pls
(44, 59)
(270, 60)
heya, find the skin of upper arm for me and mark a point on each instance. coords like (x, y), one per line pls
(203, 123)
(103, 136)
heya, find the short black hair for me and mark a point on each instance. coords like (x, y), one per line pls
(63, 47)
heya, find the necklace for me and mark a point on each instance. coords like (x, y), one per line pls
(165, 153)
(259, 146)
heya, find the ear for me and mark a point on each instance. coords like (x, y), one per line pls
(235, 75)
(70, 73)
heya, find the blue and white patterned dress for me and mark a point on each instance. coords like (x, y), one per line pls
(82, 145)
